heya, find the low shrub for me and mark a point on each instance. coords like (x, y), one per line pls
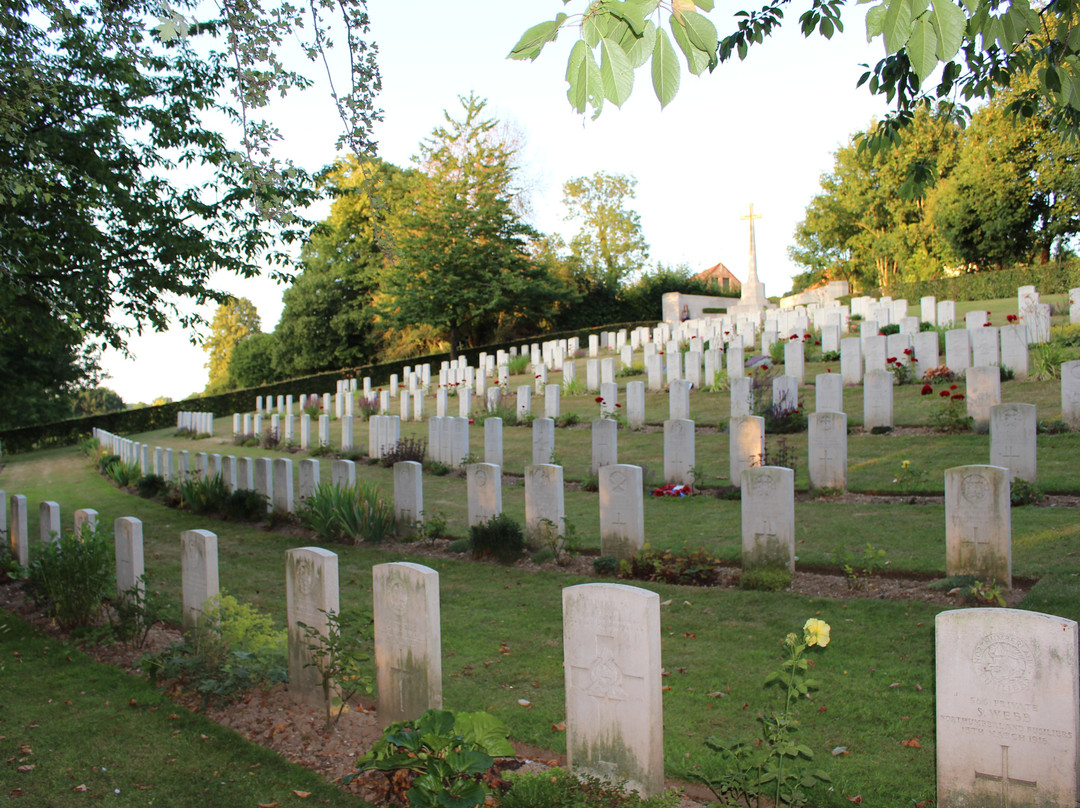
(460, 546)
(688, 567)
(348, 514)
(235, 648)
(73, 575)
(500, 538)
(635, 369)
(765, 579)
(1021, 493)
(518, 364)
(151, 485)
(605, 565)
(1046, 360)
(412, 449)
(204, 495)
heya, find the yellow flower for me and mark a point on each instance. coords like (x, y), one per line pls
(905, 464)
(816, 632)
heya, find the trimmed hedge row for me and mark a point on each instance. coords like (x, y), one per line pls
(145, 419)
(992, 284)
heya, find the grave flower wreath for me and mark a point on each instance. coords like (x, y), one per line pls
(672, 490)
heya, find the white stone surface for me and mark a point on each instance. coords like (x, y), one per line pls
(827, 452)
(311, 591)
(978, 526)
(198, 574)
(768, 517)
(622, 510)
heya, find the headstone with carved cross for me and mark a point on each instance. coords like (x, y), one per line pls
(545, 515)
(746, 448)
(1012, 439)
(622, 510)
(983, 392)
(768, 518)
(1007, 709)
(978, 528)
(604, 446)
(614, 705)
(408, 640)
(311, 594)
(679, 457)
(828, 450)
(877, 400)
(484, 486)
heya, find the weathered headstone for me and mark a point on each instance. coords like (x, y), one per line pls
(198, 574)
(983, 392)
(552, 400)
(768, 518)
(927, 353)
(785, 393)
(851, 362)
(283, 485)
(985, 346)
(85, 519)
(1012, 440)
(828, 450)
(736, 368)
(484, 485)
(877, 400)
(746, 446)
(264, 479)
(19, 535)
(635, 404)
(622, 510)
(130, 566)
(309, 478)
(493, 441)
(311, 595)
(343, 473)
(49, 521)
(828, 393)
(1070, 391)
(408, 640)
(742, 397)
(795, 360)
(978, 527)
(545, 515)
(604, 443)
(1014, 351)
(1007, 716)
(245, 473)
(679, 399)
(958, 350)
(543, 440)
(614, 705)
(679, 457)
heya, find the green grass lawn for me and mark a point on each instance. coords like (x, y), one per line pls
(502, 627)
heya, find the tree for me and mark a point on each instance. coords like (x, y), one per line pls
(117, 196)
(43, 363)
(461, 262)
(234, 321)
(609, 247)
(252, 362)
(869, 225)
(1015, 194)
(980, 46)
(329, 320)
(97, 401)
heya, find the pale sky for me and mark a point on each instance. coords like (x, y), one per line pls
(761, 131)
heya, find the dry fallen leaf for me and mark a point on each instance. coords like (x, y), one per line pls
(839, 750)
(524, 702)
(913, 743)
(267, 805)
(301, 794)
(81, 787)
(856, 798)
(28, 767)
(560, 727)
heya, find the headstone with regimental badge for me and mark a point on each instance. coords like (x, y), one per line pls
(768, 518)
(978, 523)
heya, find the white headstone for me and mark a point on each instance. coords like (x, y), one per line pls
(49, 521)
(679, 458)
(978, 527)
(408, 640)
(493, 441)
(828, 393)
(1012, 440)
(1007, 716)
(130, 566)
(983, 392)
(309, 478)
(1070, 391)
(768, 518)
(614, 704)
(877, 400)
(635, 404)
(18, 535)
(545, 515)
(746, 447)
(679, 399)
(342, 473)
(311, 591)
(851, 362)
(622, 510)
(198, 573)
(484, 484)
(604, 443)
(543, 440)
(828, 450)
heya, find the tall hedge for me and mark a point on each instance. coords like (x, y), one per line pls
(145, 419)
(992, 284)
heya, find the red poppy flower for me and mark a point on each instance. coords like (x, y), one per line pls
(1011, 318)
(944, 394)
(794, 336)
(909, 351)
(599, 399)
(958, 397)
(617, 404)
(817, 342)
(891, 360)
(927, 389)
(806, 336)
(952, 386)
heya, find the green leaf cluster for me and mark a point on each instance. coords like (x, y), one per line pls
(446, 752)
(616, 38)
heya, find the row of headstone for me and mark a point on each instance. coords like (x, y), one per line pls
(198, 422)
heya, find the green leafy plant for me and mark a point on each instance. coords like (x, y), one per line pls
(909, 474)
(73, 575)
(605, 565)
(558, 788)
(859, 568)
(518, 364)
(1022, 492)
(948, 411)
(570, 419)
(765, 579)
(367, 407)
(123, 474)
(151, 485)
(781, 454)
(500, 537)
(405, 449)
(1046, 360)
(135, 612)
(688, 567)
(635, 369)
(986, 593)
(574, 387)
(446, 754)
(204, 495)
(720, 382)
(431, 526)
(776, 767)
(348, 514)
(343, 658)
(234, 648)
(437, 468)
